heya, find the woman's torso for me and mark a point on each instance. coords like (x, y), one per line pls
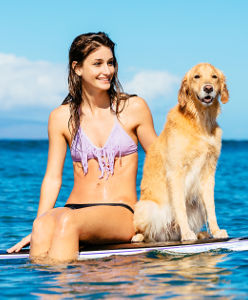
(94, 183)
(119, 187)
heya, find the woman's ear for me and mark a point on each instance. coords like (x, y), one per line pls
(76, 68)
(183, 92)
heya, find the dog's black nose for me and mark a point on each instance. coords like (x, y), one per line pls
(208, 88)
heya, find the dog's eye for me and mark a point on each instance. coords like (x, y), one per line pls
(214, 76)
(197, 76)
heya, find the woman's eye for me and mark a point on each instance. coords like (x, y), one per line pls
(97, 64)
(111, 63)
(214, 76)
(197, 76)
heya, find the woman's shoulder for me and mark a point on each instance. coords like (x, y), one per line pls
(61, 112)
(136, 104)
(60, 116)
(137, 108)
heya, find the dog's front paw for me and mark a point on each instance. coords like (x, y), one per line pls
(188, 236)
(203, 235)
(220, 234)
(137, 238)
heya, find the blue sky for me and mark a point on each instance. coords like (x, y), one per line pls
(157, 43)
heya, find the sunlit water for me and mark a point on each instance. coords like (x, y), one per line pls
(220, 275)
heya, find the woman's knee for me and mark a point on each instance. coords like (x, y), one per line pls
(65, 224)
(42, 227)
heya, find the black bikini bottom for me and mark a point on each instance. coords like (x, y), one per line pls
(77, 206)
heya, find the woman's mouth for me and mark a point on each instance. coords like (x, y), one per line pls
(104, 79)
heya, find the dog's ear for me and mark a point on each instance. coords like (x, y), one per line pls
(224, 95)
(183, 92)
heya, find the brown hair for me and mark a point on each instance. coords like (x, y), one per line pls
(80, 48)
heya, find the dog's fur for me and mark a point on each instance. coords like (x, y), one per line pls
(177, 188)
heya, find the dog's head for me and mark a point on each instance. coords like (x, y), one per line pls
(203, 83)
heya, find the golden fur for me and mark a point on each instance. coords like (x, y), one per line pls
(177, 188)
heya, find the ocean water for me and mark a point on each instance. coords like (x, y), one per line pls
(216, 274)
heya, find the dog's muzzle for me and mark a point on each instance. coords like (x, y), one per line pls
(207, 94)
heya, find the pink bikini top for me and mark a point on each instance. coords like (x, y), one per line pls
(119, 143)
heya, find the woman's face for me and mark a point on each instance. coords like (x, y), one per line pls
(97, 69)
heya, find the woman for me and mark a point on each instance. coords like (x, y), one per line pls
(102, 126)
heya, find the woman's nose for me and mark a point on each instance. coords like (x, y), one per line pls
(106, 69)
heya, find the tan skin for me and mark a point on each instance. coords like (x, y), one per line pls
(62, 228)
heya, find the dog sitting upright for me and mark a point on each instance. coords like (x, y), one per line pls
(177, 188)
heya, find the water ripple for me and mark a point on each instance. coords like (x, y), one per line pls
(216, 274)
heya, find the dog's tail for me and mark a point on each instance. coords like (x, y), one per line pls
(155, 222)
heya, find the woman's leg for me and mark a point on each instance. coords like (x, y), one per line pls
(43, 231)
(98, 224)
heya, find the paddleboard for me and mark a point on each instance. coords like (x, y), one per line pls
(172, 247)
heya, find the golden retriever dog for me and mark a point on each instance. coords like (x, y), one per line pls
(177, 188)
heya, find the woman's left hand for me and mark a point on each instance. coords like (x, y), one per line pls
(17, 247)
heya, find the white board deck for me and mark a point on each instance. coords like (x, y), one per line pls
(100, 251)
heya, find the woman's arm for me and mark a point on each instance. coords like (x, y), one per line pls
(56, 156)
(53, 177)
(143, 121)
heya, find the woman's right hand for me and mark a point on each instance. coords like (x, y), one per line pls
(17, 247)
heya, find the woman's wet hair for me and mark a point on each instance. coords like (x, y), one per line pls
(81, 47)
